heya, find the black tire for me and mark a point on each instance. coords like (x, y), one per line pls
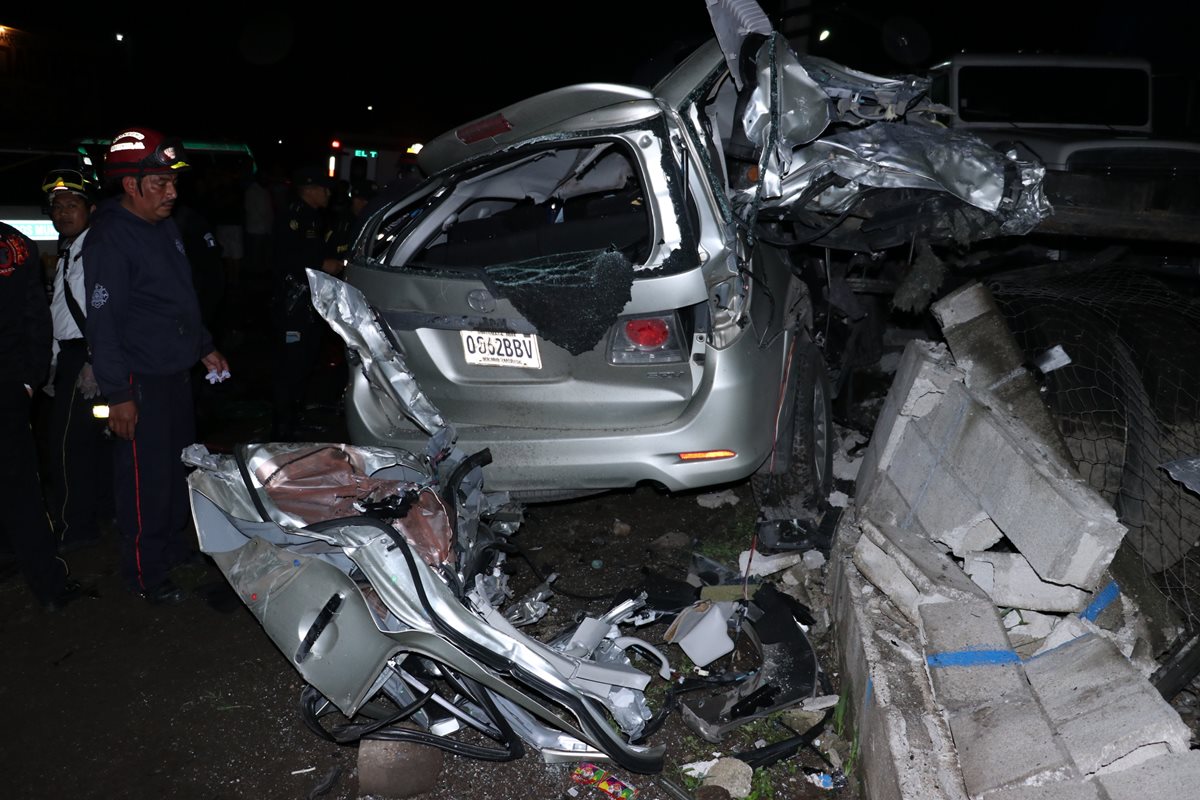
(808, 477)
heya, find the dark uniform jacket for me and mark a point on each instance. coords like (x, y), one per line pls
(143, 317)
(25, 330)
(303, 239)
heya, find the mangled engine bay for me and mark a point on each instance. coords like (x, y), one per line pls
(380, 576)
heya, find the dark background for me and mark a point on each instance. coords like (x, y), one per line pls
(261, 74)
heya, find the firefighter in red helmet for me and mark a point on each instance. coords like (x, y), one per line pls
(145, 334)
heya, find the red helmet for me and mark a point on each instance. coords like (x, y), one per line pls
(142, 151)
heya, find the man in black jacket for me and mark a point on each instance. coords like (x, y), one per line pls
(24, 361)
(303, 240)
(145, 332)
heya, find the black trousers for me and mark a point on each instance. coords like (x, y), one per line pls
(296, 353)
(80, 461)
(150, 482)
(23, 519)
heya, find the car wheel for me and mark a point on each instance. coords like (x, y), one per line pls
(809, 430)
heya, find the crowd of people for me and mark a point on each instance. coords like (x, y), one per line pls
(121, 335)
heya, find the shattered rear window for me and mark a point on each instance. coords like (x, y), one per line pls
(553, 202)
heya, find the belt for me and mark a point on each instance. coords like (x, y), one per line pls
(69, 344)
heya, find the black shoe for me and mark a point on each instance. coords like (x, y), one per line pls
(72, 590)
(165, 594)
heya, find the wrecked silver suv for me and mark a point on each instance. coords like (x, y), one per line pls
(606, 285)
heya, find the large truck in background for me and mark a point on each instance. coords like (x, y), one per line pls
(1091, 122)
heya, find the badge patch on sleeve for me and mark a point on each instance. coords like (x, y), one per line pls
(99, 296)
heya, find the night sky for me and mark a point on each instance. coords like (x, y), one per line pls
(261, 75)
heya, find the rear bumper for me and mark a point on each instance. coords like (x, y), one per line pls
(734, 409)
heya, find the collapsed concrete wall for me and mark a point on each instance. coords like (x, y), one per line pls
(948, 462)
(977, 554)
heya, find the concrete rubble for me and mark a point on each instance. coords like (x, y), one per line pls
(967, 587)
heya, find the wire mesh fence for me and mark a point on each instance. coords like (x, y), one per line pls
(1128, 401)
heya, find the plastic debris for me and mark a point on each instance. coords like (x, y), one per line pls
(1052, 359)
(588, 774)
(702, 631)
(726, 497)
(533, 606)
(838, 499)
(814, 559)
(826, 780)
(1185, 471)
(820, 703)
(763, 564)
(698, 769)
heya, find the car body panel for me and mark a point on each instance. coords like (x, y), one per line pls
(354, 603)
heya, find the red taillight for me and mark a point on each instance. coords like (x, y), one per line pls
(647, 332)
(482, 129)
(647, 339)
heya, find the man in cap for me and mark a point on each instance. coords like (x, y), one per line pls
(303, 240)
(145, 332)
(80, 461)
(24, 360)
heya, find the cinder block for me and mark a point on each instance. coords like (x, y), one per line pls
(1027, 629)
(936, 498)
(1073, 788)
(984, 347)
(962, 625)
(1125, 726)
(968, 655)
(1062, 526)
(1103, 709)
(979, 534)
(882, 570)
(1006, 743)
(929, 568)
(1173, 776)
(924, 372)
(906, 750)
(1009, 580)
(1067, 629)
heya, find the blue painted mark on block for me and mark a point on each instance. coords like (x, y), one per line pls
(869, 692)
(972, 658)
(1101, 601)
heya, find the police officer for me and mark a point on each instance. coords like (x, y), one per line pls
(24, 360)
(351, 221)
(145, 333)
(303, 240)
(80, 462)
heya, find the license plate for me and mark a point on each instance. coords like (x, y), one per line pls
(501, 349)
